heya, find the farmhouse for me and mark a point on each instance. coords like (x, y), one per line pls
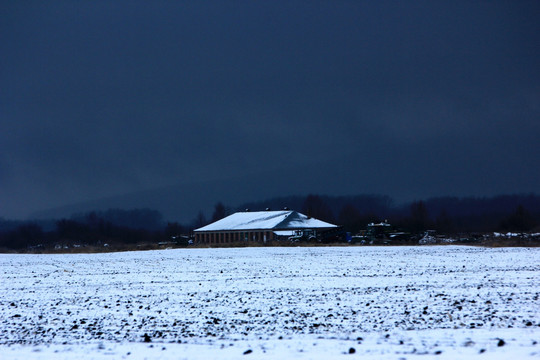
(260, 226)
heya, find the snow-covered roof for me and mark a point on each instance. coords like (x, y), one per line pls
(266, 220)
(379, 224)
(285, 232)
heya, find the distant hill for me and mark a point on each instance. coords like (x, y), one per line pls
(182, 202)
(272, 189)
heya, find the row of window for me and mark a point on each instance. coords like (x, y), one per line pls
(229, 237)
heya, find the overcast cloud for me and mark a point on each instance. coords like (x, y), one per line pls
(409, 99)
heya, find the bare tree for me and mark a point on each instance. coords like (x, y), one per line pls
(219, 212)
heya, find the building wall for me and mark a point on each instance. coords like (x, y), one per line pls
(229, 237)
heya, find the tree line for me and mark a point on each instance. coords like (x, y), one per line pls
(446, 215)
(113, 227)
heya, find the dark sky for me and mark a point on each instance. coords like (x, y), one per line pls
(410, 99)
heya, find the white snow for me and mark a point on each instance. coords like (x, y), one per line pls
(443, 302)
(260, 220)
(285, 232)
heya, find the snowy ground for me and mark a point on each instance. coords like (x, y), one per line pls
(443, 302)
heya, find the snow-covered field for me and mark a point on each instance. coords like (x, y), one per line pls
(443, 302)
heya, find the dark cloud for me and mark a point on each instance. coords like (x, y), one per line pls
(409, 99)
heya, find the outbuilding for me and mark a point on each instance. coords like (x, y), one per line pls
(260, 226)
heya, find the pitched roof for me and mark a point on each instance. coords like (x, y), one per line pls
(266, 220)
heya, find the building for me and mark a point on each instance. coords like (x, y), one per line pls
(260, 226)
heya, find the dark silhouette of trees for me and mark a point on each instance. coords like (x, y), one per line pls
(519, 221)
(219, 212)
(350, 218)
(199, 221)
(443, 223)
(71, 230)
(419, 217)
(25, 235)
(99, 232)
(509, 213)
(173, 229)
(452, 214)
(315, 207)
(146, 219)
